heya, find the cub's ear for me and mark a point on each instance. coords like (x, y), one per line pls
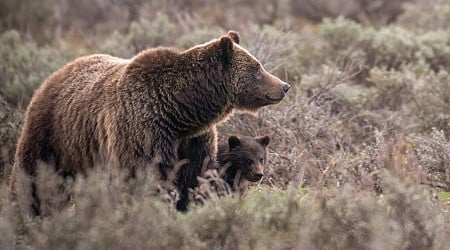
(225, 49)
(233, 141)
(263, 140)
(234, 35)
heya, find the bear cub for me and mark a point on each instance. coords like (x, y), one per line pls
(242, 159)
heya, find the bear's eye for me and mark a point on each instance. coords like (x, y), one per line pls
(249, 161)
(261, 160)
(258, 73)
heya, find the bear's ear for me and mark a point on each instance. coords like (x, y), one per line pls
(233, 141)
(234, 35)
(263, 140)
(225, 48)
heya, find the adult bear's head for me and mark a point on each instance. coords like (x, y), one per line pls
(248, 84)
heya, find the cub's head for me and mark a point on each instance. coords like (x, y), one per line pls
(245, 154)
(249, 85)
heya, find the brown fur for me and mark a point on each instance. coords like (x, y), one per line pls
(234, 173)
(101, 109)
(242, 159)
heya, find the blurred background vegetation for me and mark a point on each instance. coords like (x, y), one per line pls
(360, 151)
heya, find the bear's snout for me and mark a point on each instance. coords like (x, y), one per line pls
(277, 89)
(258, 176)
(286, 87)
(254, 176)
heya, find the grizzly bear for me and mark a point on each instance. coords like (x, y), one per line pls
(242, 160)
(151, 110)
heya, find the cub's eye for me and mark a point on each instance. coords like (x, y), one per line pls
(261, 160)
(248, 161)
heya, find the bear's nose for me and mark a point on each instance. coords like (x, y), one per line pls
(286, 87)
(258, 176)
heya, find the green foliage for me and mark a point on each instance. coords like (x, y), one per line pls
(199, 36)
(141, 35)
(106, 213)
(19, 78)
(10, 121)
(364, 11)
(409, 90)
(426, 15)
(157, 32)
(103, 214)
(24, 66)
(444, 196)
(390, 47)
(28, 16)
(275, 49)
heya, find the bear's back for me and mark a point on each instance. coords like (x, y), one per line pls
(87, 70)
(68, 106)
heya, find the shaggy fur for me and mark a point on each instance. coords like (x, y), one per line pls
(101, 109)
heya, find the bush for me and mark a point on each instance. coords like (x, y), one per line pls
(199, 36)
(275, 49)
(10, 121)
(141, 35)
(106, 215)
(433, 155)
(28, 17)
(388, 47)
(365, 11)
(24, 66)
(426, 15)
(416, 93)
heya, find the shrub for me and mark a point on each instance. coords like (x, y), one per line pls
(426, 15)
(105, 215)
(141, 35)
(388, 47)
(275, 49)
(418, 95)
(365, 11)
(433, 155)
(28, 17)
(198, 36)
(10, 121)
(24, 66)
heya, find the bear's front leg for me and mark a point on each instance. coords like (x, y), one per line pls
(157, 160)
(201, 152)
